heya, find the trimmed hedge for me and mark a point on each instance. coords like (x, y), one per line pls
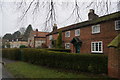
(69, 61)
(13, 54)
(23, 46)
(60, 50)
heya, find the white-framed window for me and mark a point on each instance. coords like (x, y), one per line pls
(96, 29)
(50, 37)
(67, 34)
(77, 32)
(97, 47)
(67, 45)
(117, 25)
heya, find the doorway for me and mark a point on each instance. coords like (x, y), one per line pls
(77, 44)
(77, 48)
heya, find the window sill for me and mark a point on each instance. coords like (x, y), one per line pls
(77, 35)
(117, 29)
(96, 52)
(96, 33)
(67, 37)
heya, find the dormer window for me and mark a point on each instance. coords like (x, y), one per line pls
(95, 29)
(77, 32)
(67, 34)
(117, 25)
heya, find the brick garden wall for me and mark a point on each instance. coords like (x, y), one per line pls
(114, 63)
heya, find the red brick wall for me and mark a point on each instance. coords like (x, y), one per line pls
(39, 39)
(114, 63)
(106, 35)
(68, 39)
(48, 41)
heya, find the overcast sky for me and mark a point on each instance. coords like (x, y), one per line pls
(10, 16)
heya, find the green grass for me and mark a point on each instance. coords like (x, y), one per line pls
(26, 70)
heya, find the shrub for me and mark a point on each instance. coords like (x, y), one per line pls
(69, 61)
(13, 54)
(23, 46)
(76, 62)
(60, 50)
(59, 40)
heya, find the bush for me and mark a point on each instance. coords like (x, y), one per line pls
(23, 46)
(69, 61)
(60, 50)
(76, 62)
(13, 54)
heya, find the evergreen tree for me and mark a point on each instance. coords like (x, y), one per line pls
(8, 36)
(27, 32)
(59, 40)
(16, 34)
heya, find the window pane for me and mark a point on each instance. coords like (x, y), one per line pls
(93, 47)
(96, 28)
(100, 46)
(67, 46)
(96, 46)
(118, 24)
(77, 32)
(67, 34)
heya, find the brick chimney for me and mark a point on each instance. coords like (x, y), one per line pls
(36, 32)
(92, 15)
(54, 27)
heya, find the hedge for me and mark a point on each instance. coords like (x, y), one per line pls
(23, 46)
(13, 54)
(69, 61)
(60, 50)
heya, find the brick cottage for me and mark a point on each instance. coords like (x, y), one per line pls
(91, 36)
(37, 39)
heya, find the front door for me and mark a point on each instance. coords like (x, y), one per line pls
(77, 47)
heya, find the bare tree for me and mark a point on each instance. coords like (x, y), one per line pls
(102, 6)
(22, 30)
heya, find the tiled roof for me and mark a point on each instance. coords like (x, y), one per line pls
(115, 42)
(105, 18)
(40, 34)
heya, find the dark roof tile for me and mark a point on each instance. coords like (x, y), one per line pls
(105, 18)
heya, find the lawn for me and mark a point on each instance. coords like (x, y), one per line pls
(26, 70)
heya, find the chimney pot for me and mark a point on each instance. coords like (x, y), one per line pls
(92, 15)
(36, 29)
(91, 11)
(36, 32)
(55, 27)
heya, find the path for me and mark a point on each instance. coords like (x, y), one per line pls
(5, 73)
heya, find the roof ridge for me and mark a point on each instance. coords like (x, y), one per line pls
(104, 18)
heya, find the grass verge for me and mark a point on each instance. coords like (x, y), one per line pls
(26, 70)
